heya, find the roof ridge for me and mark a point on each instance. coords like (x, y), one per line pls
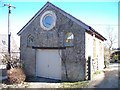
(70, 15)
(79, 22)
(55, 7)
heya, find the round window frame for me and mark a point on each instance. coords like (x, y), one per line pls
(44, 15)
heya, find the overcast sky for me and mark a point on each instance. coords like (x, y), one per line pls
(102, 16)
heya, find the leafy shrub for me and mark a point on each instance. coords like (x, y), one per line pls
(115, 57)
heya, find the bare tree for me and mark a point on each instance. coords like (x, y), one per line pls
(111, 40)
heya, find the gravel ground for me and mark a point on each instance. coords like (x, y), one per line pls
(31, 85)
(33, 82)
(108, 79)
(44, 85)
(81, 84)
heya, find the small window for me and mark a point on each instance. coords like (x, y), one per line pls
(69, 38)
(30, 40)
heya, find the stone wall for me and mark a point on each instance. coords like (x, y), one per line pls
(73, 58)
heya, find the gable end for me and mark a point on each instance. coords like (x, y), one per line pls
(58, 9)
(88, 29)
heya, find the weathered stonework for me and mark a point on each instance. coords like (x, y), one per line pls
(73, 57)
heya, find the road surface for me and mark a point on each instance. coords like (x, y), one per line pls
(109, 79)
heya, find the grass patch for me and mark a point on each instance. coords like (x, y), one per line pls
(80, 84)
(98, 72)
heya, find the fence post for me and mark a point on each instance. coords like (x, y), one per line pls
(119, 55)
(89, 68)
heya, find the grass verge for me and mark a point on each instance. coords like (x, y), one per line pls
(80, 84)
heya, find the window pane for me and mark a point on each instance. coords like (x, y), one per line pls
(48, 21)
(30, 40)
(69, 37)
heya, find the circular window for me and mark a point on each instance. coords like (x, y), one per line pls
(48, 20)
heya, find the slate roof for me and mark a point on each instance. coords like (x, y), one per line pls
(87, 27)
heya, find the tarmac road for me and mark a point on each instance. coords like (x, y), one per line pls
(109, 79)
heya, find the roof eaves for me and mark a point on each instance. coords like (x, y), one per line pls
(70, 16)
(94, 31)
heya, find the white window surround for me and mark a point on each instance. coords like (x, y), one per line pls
(51, 24)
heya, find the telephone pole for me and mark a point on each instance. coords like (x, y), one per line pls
(9, 33)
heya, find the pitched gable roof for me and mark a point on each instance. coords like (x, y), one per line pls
(88, 28)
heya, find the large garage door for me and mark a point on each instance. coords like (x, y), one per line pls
(48, 63)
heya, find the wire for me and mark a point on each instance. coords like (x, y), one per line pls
(105, 24)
